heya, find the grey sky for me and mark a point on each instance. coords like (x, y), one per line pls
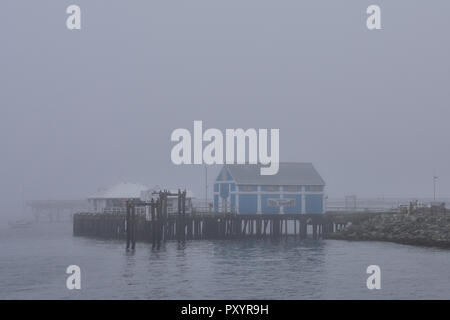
(85, 109)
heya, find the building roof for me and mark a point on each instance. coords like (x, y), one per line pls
(124, 190)
(289, 173)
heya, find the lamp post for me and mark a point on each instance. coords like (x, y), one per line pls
(434, 187)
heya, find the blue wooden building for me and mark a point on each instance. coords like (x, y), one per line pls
(296, 188)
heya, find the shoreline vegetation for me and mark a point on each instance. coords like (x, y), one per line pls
(424, 229)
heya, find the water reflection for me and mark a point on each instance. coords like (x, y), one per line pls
(33, 265)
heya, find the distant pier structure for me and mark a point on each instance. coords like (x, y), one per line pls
(114, 198)
(55, 210)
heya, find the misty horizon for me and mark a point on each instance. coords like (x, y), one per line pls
(89, 109)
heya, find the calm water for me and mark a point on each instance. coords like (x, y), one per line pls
(33, 263)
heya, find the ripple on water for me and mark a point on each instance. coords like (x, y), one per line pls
(34, 261)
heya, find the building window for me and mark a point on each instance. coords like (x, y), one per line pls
(292, 188)
(247, 188)
(314, 188)
(271, 188)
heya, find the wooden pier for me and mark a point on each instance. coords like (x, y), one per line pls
(201, 226)
(157, 226)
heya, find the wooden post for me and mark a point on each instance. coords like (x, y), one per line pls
(314, 230)
(244, 229)
(154, 207)
(286, 227)
(303, 229)
(159, 213)
(133, 226)
(295, 228)
(128, 223)
(178, 222)
(258, 227)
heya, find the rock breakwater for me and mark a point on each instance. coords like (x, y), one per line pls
(413, 229)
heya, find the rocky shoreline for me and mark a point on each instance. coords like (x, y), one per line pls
(414, 229)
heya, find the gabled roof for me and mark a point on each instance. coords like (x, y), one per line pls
(289, 173)
(124, 190)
